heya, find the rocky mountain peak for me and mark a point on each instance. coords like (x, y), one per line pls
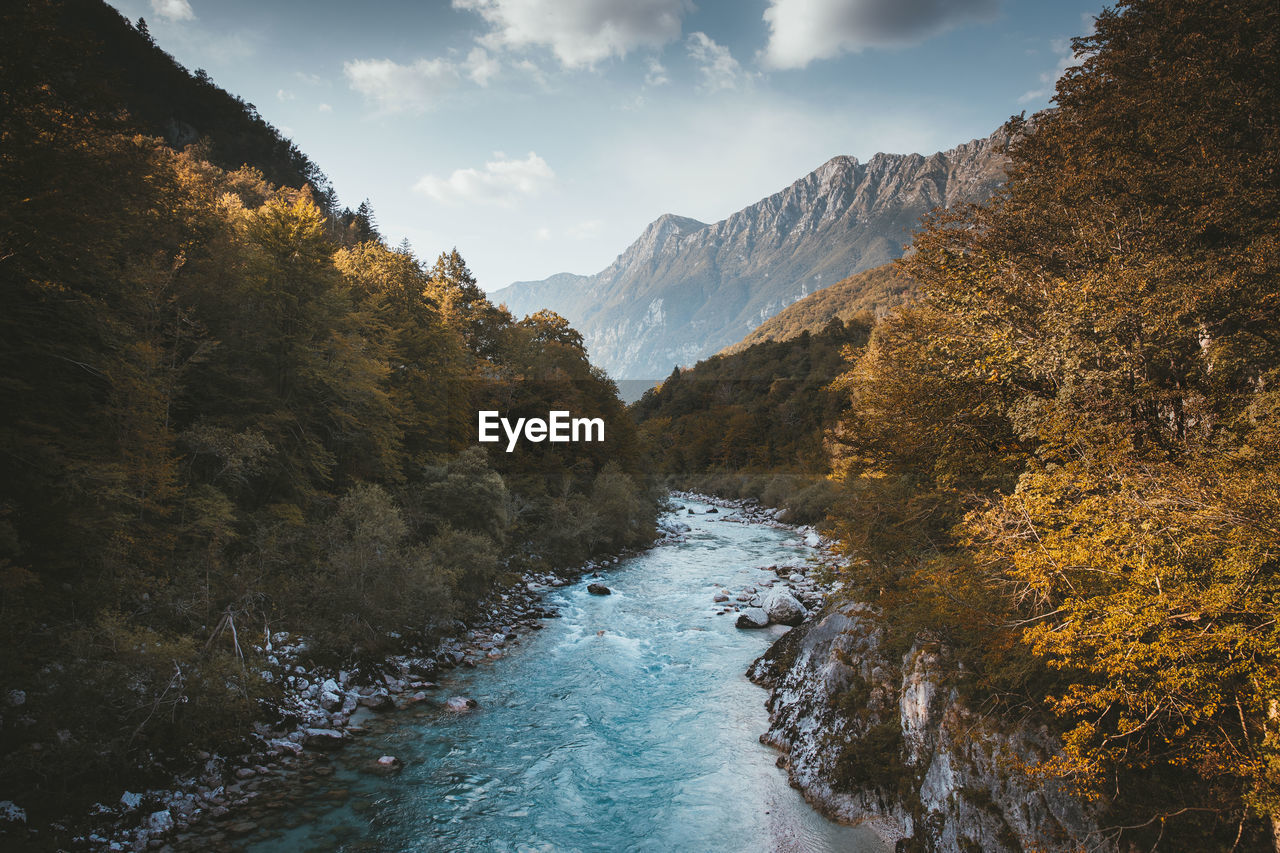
(685, 289)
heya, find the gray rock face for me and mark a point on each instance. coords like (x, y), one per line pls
(784, 608)
(835, 693)
(753, 617)
(685, 289)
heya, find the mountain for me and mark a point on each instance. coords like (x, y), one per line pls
(874, 291)
(686, 289)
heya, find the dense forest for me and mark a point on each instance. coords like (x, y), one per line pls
(1062, 463)
(753, 424)
(229, 411)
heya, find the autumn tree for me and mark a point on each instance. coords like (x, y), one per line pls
(1089, 379)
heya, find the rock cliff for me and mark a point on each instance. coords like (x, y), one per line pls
(891, 744)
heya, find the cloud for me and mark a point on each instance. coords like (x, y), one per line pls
(533, 72)
(324, 108)
(502, 182)
(801, 31)
(586, 230)
(285, 95)
(580, 33)
(655, 73)
(1066, 59)
(481, 67)
(398, 88)
(718, 67)
(173, 10)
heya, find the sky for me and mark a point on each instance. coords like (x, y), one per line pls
(542, 136)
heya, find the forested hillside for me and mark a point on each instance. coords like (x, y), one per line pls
(225, 415)
(1063, 464)
(874, 292)
(754, 423)
(100, 61)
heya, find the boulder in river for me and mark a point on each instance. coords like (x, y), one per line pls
(719, 596)
(784, 608)
(461, 704)
(599, 589)
(712, 511)
(753, 617)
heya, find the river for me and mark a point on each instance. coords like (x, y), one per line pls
(625, 725)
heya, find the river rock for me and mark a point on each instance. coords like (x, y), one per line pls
(753, 617)
(719, 597)
(11, 812)
(599, 589)
(712, 511)
(379, 700)
(784, 609)
(324, 738)
(461, 704)
(160, 822)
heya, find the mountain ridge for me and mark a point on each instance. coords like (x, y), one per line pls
(686, 289)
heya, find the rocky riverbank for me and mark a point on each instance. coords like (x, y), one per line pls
(869, 739)
(320, 710)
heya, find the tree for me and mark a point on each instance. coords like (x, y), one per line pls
(1104, 331)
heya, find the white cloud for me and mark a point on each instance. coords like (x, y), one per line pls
(580, 32)
(801, 31)
(543, 233)
(324, 108)
(586, 230)
(718, 67)
(1048, 80)
(655, 73)
(310, 79)
(396, 87)
(285, 95)
(481, 67)
(502, 182)
(173, 10)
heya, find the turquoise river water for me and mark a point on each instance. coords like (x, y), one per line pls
(625, 725)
